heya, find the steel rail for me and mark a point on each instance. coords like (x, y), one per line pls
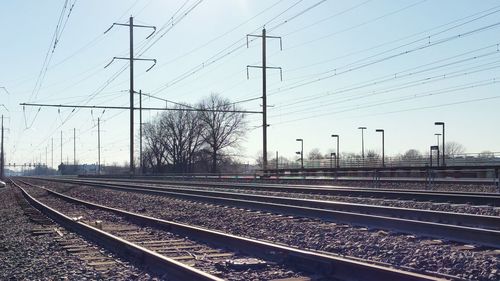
(301, 180)
(154, 261)
(482, 221)
(330, 266)
(465, 234)
(457, 197)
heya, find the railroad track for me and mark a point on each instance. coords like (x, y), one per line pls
(155, 262)
(466, 228)
(455, 197)
(477, 198)
(102, 261)
(328, 266)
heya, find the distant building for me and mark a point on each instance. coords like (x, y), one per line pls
(83, 169)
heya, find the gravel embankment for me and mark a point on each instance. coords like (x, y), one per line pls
(444, 207)
(24, 256)
(212, 266)
(378, 246)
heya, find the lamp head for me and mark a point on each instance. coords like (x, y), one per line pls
(438, 123)
(379, 130)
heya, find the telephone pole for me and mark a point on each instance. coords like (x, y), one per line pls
(131, 61)
(98, 145)
(264, 67)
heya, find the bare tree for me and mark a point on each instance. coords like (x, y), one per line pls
(453, 149)
(486, 154)
(221, 129)
(271, 159)
(155, 153)
(371, 154)
(411, 154)
(372, 157)
(181, 132)
(315, 154)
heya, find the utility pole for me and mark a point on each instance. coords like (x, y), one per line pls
(61, 149)
(264, 67)
(98, 146)
(277, 158)
(131, 61)
(52, 153)
(131, 30)
(140, 133)
(74, 148)
(2, 156)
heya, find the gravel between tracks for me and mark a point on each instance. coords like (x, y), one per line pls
(378, 246)
(463, 187)
(270, 272)
(444, 207)
(24, 256)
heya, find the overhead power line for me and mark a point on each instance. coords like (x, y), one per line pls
(462, 87)
(396, 76)
(352, 67)
(89, 99)
(136, 108)
(237, 45)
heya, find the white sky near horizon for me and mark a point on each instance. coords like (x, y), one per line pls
(395, 65)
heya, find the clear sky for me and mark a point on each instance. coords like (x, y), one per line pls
(396, 65)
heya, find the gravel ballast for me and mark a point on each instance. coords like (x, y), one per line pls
(382, 184)
(443, 207)
(24, 256)
(407, 251)
(212, 266)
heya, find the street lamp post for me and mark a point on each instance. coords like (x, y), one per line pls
(362, 143)
(338, 152)
(383, 146)
(301, 153)
(437, 137)
(331, 159)
(442, 124)
(436, 148)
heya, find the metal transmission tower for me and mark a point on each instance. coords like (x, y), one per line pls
(131, 59)
(264, 67)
